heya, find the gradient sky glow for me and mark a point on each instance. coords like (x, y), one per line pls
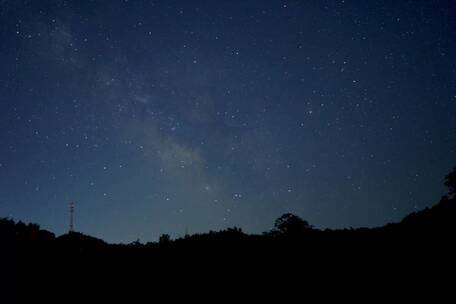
(185, 116)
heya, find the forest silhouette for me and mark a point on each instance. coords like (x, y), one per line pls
(422, 242)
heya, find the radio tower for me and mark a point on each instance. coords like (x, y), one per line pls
(71, 217)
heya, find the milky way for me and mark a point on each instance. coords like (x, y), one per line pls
(187, 116)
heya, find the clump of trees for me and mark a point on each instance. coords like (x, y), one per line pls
(450, 182)
(11, 231)
(164, 239)
(290, 225)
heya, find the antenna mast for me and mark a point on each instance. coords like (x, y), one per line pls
(71, 217)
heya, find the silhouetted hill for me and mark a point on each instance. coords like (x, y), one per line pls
(14, 232)
(439, 217)
(437, 220)
(81, 240)
(420, 244)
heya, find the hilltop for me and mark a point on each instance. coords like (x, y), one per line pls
(420, 243)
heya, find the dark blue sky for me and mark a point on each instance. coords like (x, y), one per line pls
(173, 116)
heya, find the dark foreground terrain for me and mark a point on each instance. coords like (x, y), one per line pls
(417, 252)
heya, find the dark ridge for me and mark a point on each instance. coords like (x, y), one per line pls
(419, 245)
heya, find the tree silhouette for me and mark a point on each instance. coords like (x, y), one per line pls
(450, 181)
(291, 224)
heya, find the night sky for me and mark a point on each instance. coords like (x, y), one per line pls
(188, 116)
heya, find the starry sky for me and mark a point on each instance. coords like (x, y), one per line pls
(188, 116)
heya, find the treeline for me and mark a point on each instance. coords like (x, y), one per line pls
(39, 265)
(438, 219)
